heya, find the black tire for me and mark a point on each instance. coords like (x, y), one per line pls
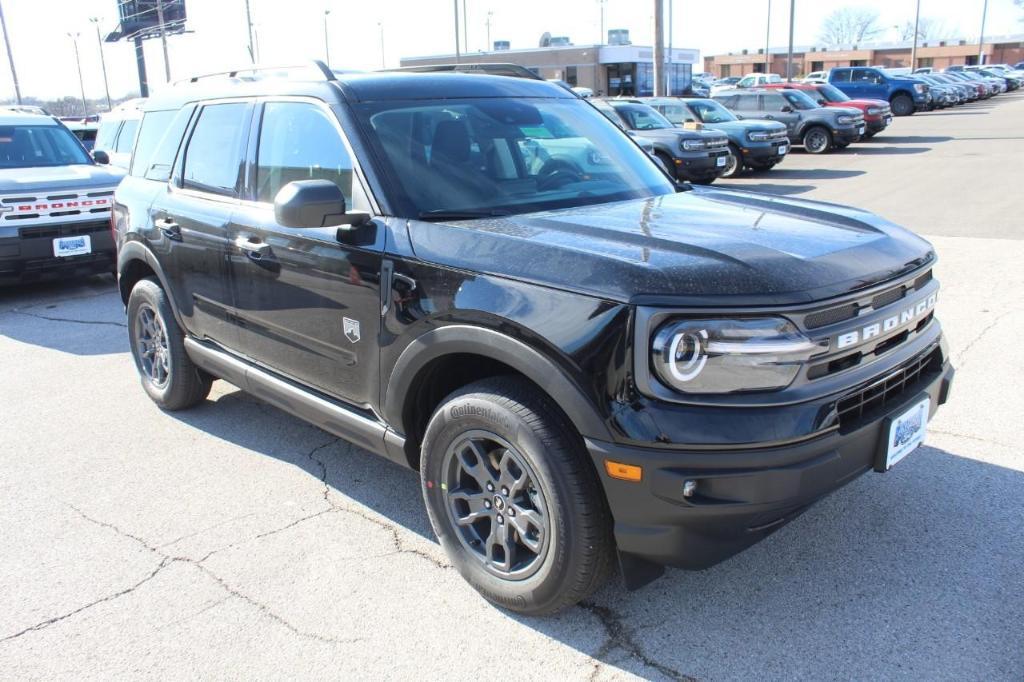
(902, 105)
(501, 425)
(168, 375)
(817, 140)
(667, 164)
(734, 167)
(869, 134)
(704, 181)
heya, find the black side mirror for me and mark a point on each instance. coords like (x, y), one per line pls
(786, 109)
(101, 157)
(313, 203)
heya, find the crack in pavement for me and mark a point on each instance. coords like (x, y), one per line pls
(960, 356)
(618, 636)
(986, 441)
(50, 318)
(165, 561)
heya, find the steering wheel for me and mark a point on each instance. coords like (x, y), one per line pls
(557, 173)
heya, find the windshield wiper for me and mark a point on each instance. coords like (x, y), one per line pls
(446, 214)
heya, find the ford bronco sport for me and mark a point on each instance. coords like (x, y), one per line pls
(584, 360)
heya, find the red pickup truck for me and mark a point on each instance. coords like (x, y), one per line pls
(877, 114)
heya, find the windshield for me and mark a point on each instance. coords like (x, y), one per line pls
(32, 146)
(496, 156)
(832, 93)
(642, 117)
(799, 100)
(710, 111)
(676, 113)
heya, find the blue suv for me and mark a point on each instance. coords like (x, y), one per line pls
(904, 94)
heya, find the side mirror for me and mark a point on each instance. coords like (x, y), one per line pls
(786, 109)
(313, 203)
(101, 157)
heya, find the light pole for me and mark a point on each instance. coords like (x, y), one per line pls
(380, 27)
(668, 75)
(767, 39)
(163, 39)
(659, 49)
(10, 56)
(81, 83)
(488, 47)
(252, 43)
(103, 62)
(981, 38)
(327, 44)
(913, 49)
(602, 38)
(458, 54)
(465, 31)
(789, 56)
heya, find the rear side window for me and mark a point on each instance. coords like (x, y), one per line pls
(746, 103)
(841, 75)
(107, 134)
(126, 138)
(213, 160)
(299, 141)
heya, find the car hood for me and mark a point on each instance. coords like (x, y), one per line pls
(668, 135)
(690, 248)
(52, 178)
(859, 104)
(740, 127)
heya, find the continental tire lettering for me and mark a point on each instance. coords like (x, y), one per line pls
(485, 413)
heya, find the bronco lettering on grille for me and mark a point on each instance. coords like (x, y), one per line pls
(885, 325)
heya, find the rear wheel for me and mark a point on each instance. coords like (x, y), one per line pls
(513, 497)
(902, 105)
(734, 163)
(168, 375)
(817, 140)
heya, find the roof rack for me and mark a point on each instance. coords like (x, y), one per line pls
(513, 70)
(324, 70)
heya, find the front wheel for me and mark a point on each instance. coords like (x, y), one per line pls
(817, 140)
(513, 497)
(902, 105)
(168, 375)
(704, 181)
(734, 163)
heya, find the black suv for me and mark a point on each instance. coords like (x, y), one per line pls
(585, 361)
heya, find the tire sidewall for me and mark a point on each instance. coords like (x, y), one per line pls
(905, 108)
(737, 166)
(148, 292)
(473, 411)
(821, 130)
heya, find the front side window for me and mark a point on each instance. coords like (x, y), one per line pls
(34, 146)
(126, 138)
(213, 159)
(107, 134)
(498, 156)
(832, 94)
(798, 100)
(300, 141)
(644, 118)
(154, 126)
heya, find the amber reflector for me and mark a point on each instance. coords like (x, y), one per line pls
(624, 472)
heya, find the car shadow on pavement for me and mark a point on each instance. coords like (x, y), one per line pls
(810, 174)
(907, 139)
(911, 569)
(875, 150)
(769, 188)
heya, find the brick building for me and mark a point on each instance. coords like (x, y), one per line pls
(935, 53)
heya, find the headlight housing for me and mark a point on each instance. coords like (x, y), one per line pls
(874, 111)
(844, 119)
(716, 356)
(692, 145)
(920, 87)
(759, 135)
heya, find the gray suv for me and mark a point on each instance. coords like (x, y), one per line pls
(819, 129)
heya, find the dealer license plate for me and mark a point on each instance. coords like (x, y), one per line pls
(720, 161)
(860, 130)
(783, 148)
(72, 246)
(888, 120)
(906, 433)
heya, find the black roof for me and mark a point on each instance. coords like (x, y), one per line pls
(356, 87)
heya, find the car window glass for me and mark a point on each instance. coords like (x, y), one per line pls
(126, 138)
(676, 113)
(841, 76)
(161, 162)
(645, 118)
(34, 146)
(747, 103)
(300, 141)
(214, 155)
(154, 126)
(711, 111)
(107, 134)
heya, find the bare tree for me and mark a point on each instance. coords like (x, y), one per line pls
(928, 28)
(848, 25)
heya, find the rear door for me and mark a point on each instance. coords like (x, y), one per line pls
(190, 220)
(307, 300)
(747, 105)
(777, 108)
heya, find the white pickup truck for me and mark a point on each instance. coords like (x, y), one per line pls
(55, 202)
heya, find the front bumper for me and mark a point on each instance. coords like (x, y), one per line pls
(27, 255)
(700, 165)
(848, 134)
(743, 493)
(765, 152)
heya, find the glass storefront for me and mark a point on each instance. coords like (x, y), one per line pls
(636, 79)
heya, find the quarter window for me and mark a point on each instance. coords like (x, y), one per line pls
(214, 155)
(300, 141)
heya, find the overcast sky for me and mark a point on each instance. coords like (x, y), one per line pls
(292, 30)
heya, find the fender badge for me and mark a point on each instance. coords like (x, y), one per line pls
(351, 329)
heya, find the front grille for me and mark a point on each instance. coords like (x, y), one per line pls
(886, 297)
(831, 316)
(54, 208)
(848, 311)
(65, 230)
(870, 400)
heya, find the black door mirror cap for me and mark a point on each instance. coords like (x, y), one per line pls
(310, 203)
(101, 157)
(787, 109)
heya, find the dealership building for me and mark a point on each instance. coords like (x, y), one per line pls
(622, 69)
(937, 54)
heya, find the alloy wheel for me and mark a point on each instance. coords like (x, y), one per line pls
(816, 141)
(151, 346)
(495, 505)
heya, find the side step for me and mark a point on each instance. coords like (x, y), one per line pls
(330, 416)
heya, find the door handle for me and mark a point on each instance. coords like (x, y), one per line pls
(169, 228)
(769, 117)
(252, 247)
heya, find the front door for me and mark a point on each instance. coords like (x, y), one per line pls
(307, 300)
(190, 220)
(776, 107)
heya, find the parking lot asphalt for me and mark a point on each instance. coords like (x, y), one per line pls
(234, 541)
